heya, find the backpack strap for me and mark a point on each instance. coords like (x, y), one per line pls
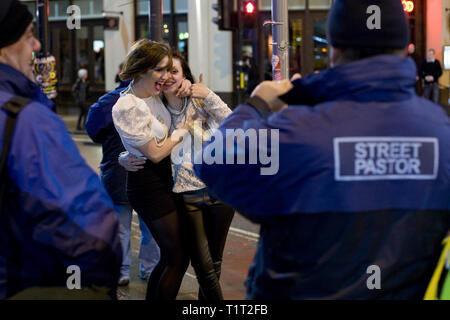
(12, 107)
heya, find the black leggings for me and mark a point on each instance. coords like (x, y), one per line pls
(150, 195)
(209, 221)
(165, 279)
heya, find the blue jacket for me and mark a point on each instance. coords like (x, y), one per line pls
(363, 179)
(100, 127)
(56, 208)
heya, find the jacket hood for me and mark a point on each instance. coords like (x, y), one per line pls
(15, 82)
(381, 78)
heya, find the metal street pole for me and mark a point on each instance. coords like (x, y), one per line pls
(42, 25)
(280, 36)
(155, 19)
(239, 63)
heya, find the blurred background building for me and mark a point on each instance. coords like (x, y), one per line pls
(231, 61)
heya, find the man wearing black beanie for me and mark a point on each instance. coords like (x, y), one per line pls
(357, 205)
(15, 24)
(55, 216)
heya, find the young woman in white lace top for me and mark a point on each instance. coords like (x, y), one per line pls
(208, 218)
(144, 125)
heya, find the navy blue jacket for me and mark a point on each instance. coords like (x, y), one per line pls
(100, 127)
(363, 179)
(56, 208)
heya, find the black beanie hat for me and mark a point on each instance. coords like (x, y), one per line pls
(14, 20)
(348, 24)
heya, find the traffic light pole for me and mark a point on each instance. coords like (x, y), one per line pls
(240, 26)
(280, 37)
(155, 19)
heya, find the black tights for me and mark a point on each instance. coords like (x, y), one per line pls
(209, 221)
(166, 278)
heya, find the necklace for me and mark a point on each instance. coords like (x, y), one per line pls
(131, 88)
(184, 103)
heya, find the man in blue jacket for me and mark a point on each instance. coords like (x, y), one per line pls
(100, 127)
(56, 218)
(358, 200)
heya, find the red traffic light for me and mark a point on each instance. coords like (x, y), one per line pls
(249, 7)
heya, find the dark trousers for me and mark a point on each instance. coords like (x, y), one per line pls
(84, 108)
(208, 223)
(431, 91)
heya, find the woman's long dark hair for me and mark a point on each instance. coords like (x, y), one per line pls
(184, 66)
(187, 73)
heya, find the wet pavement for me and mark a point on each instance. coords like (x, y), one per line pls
(239, 249)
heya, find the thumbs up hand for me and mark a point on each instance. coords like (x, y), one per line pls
(199, 90)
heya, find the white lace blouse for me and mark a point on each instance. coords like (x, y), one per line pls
(140, 120)
(183, 171)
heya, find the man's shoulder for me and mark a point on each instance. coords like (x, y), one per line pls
(108, 100)
(33, 105)
(35, 112)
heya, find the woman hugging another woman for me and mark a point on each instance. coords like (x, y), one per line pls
(207, 219)
(143, 124)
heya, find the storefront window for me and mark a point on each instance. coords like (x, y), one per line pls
(143, 7)
(183, 38)
(266, 5)
(181, 6)
(99, 55)
(83, 48)
(166, 30)
(319, 4)
(58, 9)
(295, 54)
(90, 8)
(296, 4)
(320, 45)
(61, 50)
(174, 29)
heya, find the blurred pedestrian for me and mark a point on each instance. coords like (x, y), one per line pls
(431, 71)
(55, 216)
(80, 91)
(100, 128)
(251, 72)
(354, 201)
(413, 55)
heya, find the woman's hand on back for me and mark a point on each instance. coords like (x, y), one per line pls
(130, 162)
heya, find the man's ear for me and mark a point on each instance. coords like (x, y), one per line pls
(335, 56)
